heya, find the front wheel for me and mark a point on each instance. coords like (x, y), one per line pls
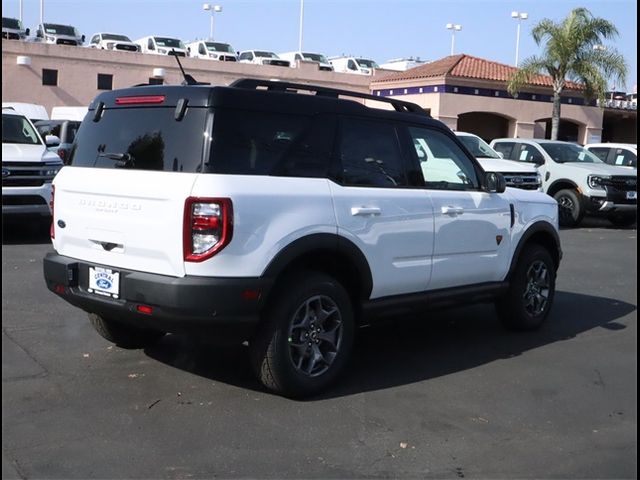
(307, 336)
(570, 207)
(123, 335)
(531, 291)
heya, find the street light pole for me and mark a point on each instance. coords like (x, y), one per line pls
(518, 16)
(301, 22)
(454, 28)
(41, 11)
(20, 11)
(212, 9)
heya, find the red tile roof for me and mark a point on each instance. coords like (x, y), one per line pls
(466, 66)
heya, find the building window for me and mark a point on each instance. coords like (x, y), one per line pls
(156, 81)
(49, 77)
(105, 81)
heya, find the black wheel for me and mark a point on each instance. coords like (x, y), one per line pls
(623, 219)
(306, 337)
(570, 207)
(532, 288)
(123, 335)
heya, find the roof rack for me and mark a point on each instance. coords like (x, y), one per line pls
(276, 85)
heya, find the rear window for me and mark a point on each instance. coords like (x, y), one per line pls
(17, 129)
(142, 139)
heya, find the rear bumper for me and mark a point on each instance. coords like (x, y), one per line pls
(220, 307)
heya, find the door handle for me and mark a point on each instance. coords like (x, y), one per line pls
(451, 210)
(365, 211)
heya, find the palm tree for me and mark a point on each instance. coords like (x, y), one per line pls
(573, 52)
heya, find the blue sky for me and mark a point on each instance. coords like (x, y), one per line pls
(380, 30)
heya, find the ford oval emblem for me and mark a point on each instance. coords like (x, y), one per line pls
(5, 172)
(61, 223)
(103, 283)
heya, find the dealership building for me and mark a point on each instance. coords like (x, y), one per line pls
(465, 92)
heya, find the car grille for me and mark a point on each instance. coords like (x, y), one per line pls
(177, 54)
(523, 181)
(326, 69)
(620, 184)
(127, 48)
(227, 58)
(277, 63)
(24, 174)
(10, 35)
(64, 41)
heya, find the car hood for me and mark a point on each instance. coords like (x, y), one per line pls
(501, 165)
(15, 152)
(599, 168)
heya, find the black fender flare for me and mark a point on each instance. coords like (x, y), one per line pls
(561, 180)
(536, 228)
(323, 242)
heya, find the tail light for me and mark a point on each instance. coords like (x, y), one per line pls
(52, 230)
(208, 227)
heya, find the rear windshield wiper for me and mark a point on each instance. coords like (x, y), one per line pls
(121, 157)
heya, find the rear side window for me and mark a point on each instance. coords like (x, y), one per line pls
(601, 153)
(141, 139)
(505, 148)
(269, 143)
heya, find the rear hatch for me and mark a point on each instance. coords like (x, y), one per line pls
(133, 164)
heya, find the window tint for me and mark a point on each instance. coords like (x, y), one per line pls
(351, 65)
(444, 164)
(150, 136)
(505, 148)
(369, 154)
(270, 143)
(624, 158)
(528, 153)
(17, 129)
(201, 49)
(601, 153)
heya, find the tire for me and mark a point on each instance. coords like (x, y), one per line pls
(297, 354)
(123, 335)
(623, 219)
(531, 291)
(570, 209)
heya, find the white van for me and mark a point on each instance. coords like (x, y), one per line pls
(162, 46)
(294, 57)
(262, 57)
(57, 34)
(69, 113)
(12, 29)
(32, 111)
(223, 52)
(359, 66)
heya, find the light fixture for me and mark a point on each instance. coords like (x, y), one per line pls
(22, 60)
(158, 73)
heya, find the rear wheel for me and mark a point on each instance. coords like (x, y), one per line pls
(531, 291)
(307, 336)
(570, 207)
(124, 336)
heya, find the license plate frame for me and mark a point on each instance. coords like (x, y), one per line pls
(104, 281)
(633, 195)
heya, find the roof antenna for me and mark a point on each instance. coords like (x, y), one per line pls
(188, 79)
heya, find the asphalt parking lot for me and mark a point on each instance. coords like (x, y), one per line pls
(450, 395)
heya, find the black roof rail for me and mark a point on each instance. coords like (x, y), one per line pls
(276, 85)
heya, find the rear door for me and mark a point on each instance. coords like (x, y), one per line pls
(121, 202)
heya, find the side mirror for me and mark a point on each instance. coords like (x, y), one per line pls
(538, 161)
(27, 32)
(495, 182)
(500, 154)
(52, 141)
(39, 33)
(82, 37)
(189, 50)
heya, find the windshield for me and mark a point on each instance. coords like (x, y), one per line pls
(219, 47)
(11, 23)
(265, 54)
(316, 57)
(17, 129)
(112, 36)
(478, 147)
(142, 139)
(569, 153)
(169, 42)
(366, 63)
(53, 29)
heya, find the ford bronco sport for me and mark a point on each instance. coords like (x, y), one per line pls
(258, 213)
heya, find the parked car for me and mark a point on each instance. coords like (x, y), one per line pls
(62, 130)
(516, 174)
(577, 179)
(12, 29)
(294, 57)
(220, 51)
(113, 41)
(620, 154)
(360, 66)
(32, 111)
(262, 57)
(162, 46)
(293, 220)
(58, 34)
(69, 113)
(27, 167)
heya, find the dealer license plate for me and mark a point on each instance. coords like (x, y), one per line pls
(104, 281)
(632, 195)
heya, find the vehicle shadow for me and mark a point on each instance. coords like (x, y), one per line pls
(599, 222)
(25, 231)
(412, 350)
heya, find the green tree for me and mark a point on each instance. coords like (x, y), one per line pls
(573, 51)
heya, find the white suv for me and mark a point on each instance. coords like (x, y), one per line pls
(113, 41)
(620, 154)
(577, 179)
(292, 221)
(27, 167)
